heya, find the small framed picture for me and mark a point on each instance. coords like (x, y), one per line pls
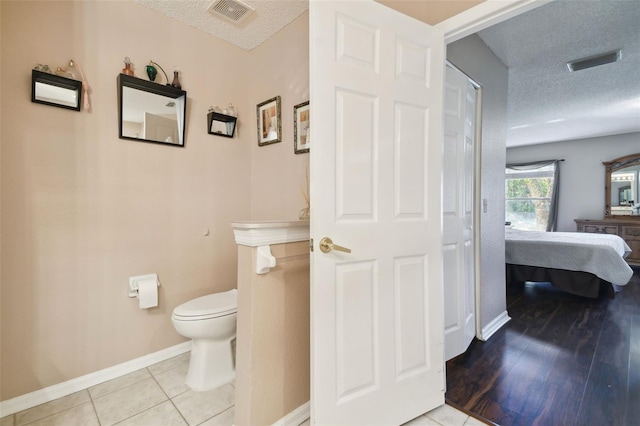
(269, 122)
(301, 128)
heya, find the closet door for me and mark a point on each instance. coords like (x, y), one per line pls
(458, 209)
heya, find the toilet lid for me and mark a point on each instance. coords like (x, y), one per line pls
(217, 303)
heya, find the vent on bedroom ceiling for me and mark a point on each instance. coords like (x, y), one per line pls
(233, 11)
(594, 61)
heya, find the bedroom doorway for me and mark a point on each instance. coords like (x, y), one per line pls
(459, 200)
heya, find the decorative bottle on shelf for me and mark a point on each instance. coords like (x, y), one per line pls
(176, 83)
(127, 66)
(152, 71)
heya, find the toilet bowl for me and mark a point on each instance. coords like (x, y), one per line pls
(210, 322)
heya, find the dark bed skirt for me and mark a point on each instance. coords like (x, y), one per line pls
(574, 282)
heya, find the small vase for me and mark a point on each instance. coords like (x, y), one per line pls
(176, 83)
(127, 69)
(152, 72)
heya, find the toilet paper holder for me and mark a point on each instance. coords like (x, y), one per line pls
(133, 283)
(264, 260)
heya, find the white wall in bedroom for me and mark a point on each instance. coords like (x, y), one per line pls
(582, 172)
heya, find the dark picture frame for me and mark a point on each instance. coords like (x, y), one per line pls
(301, 129)
(269, 121)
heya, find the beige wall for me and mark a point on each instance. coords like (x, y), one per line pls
(280, 66)
(430, 11)
(273, 360)
(83, 210)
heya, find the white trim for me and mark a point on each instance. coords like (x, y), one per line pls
(478, 210)
(296, 417)
(485, 14)
(494, 326)
(254, 234)
(29, 400)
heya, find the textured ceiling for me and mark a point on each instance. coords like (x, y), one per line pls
(270, 17)
(547, 103)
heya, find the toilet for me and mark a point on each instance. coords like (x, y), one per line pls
(210, 322)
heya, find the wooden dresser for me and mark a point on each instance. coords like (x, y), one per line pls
(628, 229)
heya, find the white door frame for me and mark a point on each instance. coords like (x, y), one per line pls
(484, 15)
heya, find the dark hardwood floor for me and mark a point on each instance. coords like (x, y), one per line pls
(561, 360)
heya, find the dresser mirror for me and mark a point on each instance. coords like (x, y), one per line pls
(622, 186)
(151, 112)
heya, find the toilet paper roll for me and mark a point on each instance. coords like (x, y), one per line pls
(148, 293)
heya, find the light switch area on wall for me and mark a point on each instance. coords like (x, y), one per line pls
(484, 205)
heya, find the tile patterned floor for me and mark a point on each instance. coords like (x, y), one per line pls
(157, 396)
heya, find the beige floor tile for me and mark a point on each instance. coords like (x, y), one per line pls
(164, 414)
(422, 421)
(170, 363)
(51, 408)
(223, 419)
(173, 381)
(196, 407)
(129, 401)
(82, 415)
(7, 420)
(447, 416)
(472, 421)
(119, 383)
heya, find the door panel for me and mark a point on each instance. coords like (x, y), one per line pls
(356, 145)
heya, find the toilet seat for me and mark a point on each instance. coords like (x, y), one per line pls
(207, 307)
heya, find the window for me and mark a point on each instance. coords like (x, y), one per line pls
(529, 196)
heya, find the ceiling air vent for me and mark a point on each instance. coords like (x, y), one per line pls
(594, 61)
(233, 11)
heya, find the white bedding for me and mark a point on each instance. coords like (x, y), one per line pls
(599, 254)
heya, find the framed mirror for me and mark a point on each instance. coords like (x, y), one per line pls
(622, 186)
(221, 124)
(151, 112)
(54, 90)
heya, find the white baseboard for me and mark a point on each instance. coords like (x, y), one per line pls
(295, 417)
(494, 326)
(29, 400)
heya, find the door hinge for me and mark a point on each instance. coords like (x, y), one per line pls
(311, 244)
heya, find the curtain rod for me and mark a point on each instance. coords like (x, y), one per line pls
(530, 163)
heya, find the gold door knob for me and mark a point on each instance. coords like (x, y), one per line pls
(326, 245)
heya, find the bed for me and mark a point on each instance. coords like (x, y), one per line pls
(575, 262)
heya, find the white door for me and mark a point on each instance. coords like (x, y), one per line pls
(376, 83)
(458, 249)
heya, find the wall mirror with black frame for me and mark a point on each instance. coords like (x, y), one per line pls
(151, 112)
(55, 90)
(221, 124)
